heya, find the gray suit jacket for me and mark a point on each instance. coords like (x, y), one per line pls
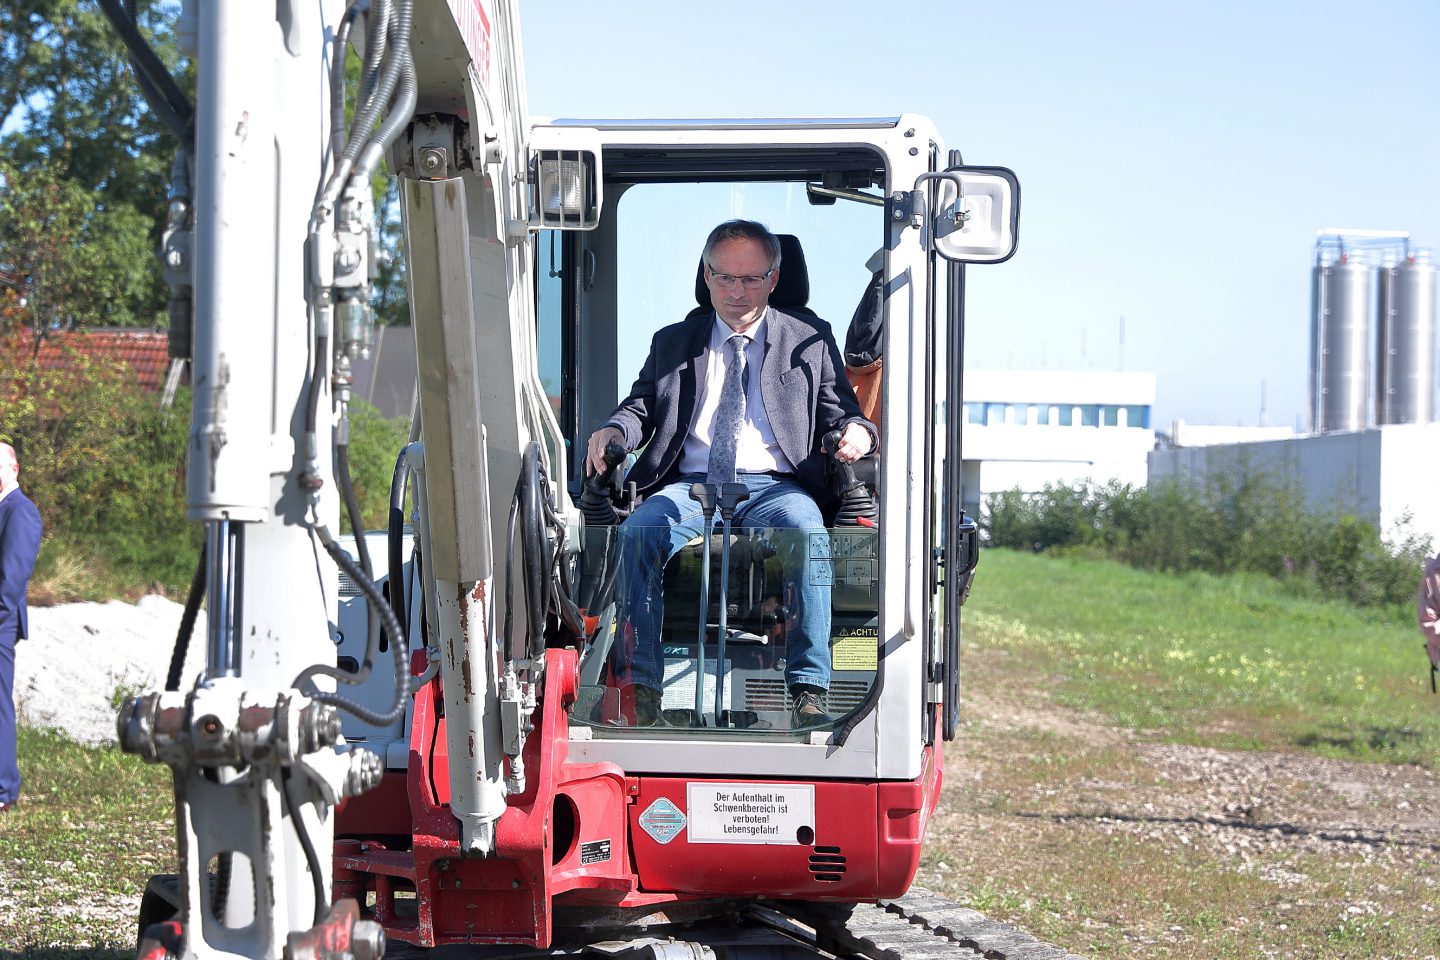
(802, 382)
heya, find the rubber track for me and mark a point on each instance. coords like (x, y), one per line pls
(919, 926)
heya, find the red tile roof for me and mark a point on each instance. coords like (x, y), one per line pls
(145, 352)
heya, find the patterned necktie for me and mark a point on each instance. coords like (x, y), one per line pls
(725, 431)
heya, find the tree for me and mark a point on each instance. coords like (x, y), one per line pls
(76, 121)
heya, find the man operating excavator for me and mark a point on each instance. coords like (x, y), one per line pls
(741, 394)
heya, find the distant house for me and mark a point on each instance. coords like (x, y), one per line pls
(387, 377)
(145, 353)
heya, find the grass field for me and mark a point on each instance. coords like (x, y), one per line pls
(1190, 767)
(92, 826)
(1149, 766)
(1228, 662)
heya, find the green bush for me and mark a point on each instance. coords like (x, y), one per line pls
(1252, 523)
(106, 467)
(375, 442)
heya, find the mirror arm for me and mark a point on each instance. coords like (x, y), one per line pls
(958, 215)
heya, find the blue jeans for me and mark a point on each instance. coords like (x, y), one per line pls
(667, 520)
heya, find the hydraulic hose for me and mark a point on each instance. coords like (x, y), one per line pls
(338, 137)
(401, 70)
(146, 62)
(367, 101)
(546, 578)
(372, 613)
(161, 107)
(357, 527)
(510, 570)
(395, 537)
(397, 650)
(352, 505)
(187, 624)
(537, 557)
(562, 588)
(312, 860)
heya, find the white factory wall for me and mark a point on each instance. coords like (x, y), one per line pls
(1384, 474)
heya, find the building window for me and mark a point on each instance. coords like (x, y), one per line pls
(1089, 415)
(1137, 416)
(975, 413)
(1110, 416)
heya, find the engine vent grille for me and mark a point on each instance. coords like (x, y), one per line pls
(827, 864)
(767, 694)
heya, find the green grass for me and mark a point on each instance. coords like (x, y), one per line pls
(92, 826)
(1228, 662)
(1233, 662)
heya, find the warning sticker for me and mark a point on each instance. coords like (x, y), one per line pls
(750, 812)
(595, 851)
(857, 648)
(662, 820)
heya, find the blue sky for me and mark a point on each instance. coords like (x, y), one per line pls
(1176, 159)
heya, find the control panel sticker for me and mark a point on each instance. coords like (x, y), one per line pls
(662, 820)
(820, 546)
(820, 561)
(751, 812)
(857, 648)
(595, 851)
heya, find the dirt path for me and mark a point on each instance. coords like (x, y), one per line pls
(1110, 844)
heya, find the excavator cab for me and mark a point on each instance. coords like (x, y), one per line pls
(732, 603)
(730, 599)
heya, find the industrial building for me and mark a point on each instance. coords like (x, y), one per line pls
(1374, 445)
(1028, 428)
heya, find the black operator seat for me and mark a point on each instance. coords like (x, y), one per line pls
(791, 294)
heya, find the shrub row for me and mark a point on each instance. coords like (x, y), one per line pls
(1253, 523)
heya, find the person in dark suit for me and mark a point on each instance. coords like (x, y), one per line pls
(744, 393)
(19, 546)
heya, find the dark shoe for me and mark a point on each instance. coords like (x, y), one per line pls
(647, 706)
(7, 807)
(807, 707)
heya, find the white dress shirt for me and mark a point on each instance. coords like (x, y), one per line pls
(756, 450)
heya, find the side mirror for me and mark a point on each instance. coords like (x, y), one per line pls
(977, 214)
(564, 178)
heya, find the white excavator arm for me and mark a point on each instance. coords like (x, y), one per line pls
(271, 228)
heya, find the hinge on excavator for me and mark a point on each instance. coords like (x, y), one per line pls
(901, 206)
(434, 147)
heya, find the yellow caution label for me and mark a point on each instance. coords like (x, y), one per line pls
(857, 648)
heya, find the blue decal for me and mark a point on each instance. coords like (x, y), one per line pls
(663, 821)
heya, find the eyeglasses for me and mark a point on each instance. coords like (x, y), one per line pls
(749, 283)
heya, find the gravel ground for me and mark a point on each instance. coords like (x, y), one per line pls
(1099, 839)
(79, 655)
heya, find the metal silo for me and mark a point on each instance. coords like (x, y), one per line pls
(1341, 294)
(1405, 347)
